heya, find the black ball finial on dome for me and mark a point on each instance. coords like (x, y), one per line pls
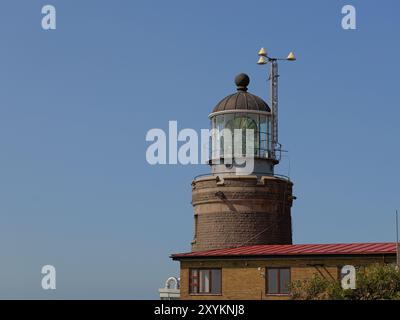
(241, 100)
(242, 80)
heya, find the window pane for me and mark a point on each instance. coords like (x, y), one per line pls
(193, 281)
(219, 141)
(263, 124)
(244, 122)
(216, 281)
(273, 280)
(284, 280)
(204, 281)
(263, 137)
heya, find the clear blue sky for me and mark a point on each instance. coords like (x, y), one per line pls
(76, 103)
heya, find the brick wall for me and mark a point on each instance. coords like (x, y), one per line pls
(241, 210)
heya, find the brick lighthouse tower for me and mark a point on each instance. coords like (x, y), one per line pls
(232, 209)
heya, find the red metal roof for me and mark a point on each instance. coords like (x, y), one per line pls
(296, 249)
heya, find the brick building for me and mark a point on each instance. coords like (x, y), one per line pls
(242, 240)
(265, 271)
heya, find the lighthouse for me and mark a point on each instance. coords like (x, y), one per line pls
(231, 209)
(242, 245)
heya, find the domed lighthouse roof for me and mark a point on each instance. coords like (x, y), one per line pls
(242, 100)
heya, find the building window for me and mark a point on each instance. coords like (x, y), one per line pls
(205, 281)
(278, 280)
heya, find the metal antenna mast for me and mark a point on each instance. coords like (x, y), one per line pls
(274, 100)
(264, 59)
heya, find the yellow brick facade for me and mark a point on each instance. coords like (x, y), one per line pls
(242, 279)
